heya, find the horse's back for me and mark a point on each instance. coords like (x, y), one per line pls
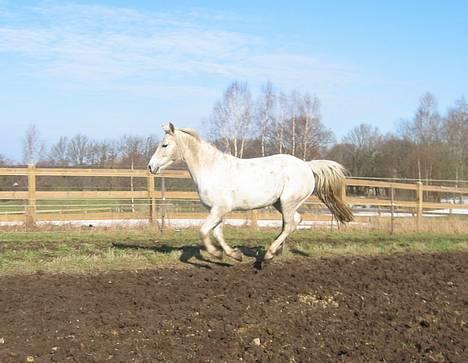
(282, 164)
(298, 178)
(263, 181)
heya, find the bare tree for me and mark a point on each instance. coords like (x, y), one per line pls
(425, 131)
(265, 114)
(231, 118)
(364, 141)
(297, 129)
(277, 133)
(131, 149)
(108, 152)
(455, 133)
(4, 161)
(79, 150)
(426, 125)
(150, 144)
(98, 153)
(58, 153)
(33, 146)
(313, 136)
(292, 118)
(395, 158)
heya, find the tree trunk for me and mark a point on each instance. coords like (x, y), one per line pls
(293, 146)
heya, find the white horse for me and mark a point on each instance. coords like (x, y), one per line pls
(226, 183)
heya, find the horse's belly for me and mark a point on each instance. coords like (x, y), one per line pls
(247, 201)
(255, 194)
(243, 196)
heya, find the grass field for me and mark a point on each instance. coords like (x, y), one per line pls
(79, 250)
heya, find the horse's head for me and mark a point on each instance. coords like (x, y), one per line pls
(167, 152)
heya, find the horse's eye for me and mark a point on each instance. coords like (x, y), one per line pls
(165, 145)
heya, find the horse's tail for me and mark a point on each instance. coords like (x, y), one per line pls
(329, 183)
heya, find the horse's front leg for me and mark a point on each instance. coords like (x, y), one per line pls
(214, 219)
(234, 253)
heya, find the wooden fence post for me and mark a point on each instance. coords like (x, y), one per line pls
(151, 199)
(254, 219)
(392, 210)
(30, 217)
(419, 201)
(163, 202)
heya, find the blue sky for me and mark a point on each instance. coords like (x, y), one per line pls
(107, 68)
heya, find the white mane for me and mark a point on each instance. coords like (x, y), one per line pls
(193, 142)
(191, 132)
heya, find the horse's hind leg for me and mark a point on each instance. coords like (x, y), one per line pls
(288, 226)
(297, 219)
(213, 220)
(291, 219)
(234, 253)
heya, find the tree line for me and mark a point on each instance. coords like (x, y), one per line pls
(128, 151)
(430, 145)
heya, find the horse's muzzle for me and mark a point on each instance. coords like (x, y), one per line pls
(153, 170)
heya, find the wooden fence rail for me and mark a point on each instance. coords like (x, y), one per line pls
(151, 197)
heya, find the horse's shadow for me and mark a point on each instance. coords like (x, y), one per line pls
(189, 253)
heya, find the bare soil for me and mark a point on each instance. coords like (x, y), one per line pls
(399, 308)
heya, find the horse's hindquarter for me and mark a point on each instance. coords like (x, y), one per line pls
(248, 184)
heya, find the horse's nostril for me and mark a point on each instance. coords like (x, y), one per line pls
(149, 167)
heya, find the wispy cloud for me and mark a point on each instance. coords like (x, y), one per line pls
(119, 47)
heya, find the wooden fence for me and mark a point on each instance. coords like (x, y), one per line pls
(155, 200)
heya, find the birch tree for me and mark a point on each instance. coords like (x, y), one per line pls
(231, 118)
(265, 114)
(312, 134)
(33, 146)
(293, 116)
(298, 129)
(277, 133)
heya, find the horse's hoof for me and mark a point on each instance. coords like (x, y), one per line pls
(268, 256)
(236, 254)
(216, 254)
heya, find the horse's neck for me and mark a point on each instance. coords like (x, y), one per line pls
(203, 157)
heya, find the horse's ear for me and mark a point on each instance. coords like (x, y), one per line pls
(169, 128)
